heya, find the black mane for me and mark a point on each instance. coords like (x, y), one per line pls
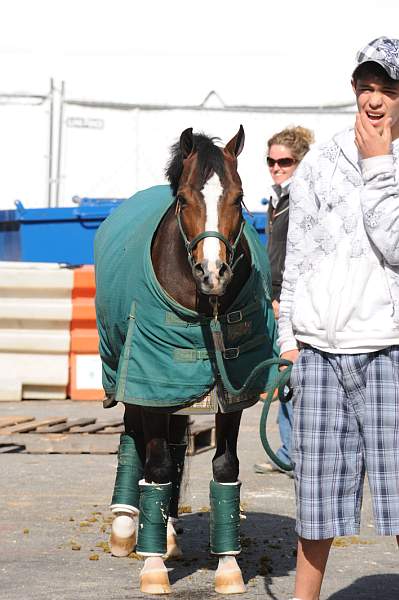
(210, 160)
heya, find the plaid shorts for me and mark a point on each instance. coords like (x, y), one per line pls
(346, 424)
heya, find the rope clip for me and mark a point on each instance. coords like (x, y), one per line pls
(213, 301)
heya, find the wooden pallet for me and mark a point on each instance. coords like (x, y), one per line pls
(201, 437)
(61, 435)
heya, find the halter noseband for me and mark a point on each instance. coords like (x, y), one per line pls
(231, 248)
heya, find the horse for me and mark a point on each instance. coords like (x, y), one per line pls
(199, 279)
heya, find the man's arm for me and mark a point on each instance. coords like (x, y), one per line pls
(303, 217)
(380, 194)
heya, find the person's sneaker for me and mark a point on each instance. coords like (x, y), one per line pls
(264, 468)
(271, 467)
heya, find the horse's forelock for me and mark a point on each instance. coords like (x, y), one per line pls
(210, 160)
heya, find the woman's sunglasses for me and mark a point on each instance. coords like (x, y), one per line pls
(282, 162)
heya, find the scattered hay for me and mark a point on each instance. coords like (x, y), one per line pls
(351, 540)
(108, 520)
(84, 524)
(104, 546)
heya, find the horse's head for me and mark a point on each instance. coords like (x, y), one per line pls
(209, 194)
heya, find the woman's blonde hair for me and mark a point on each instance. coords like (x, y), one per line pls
(297, 139)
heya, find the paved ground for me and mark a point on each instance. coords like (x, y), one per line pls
(54, 523)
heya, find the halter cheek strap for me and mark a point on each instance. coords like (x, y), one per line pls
(231, 248)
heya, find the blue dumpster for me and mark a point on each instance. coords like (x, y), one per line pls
(259, 221)
(63, 235)
(9, 235)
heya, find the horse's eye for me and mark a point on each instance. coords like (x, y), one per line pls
(181, 201)
(239, 199)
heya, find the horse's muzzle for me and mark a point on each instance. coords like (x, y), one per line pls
(212, 278)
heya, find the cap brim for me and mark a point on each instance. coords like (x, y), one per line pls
(379, 62)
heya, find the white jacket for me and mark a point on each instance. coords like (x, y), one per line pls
(340, 289)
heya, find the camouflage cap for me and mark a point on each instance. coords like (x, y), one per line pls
(385, 52)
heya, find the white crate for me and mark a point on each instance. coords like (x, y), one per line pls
(35, 317)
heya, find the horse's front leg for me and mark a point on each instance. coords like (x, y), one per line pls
(225, 505)
(155, 495)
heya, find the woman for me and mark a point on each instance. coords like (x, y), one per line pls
(285, 150)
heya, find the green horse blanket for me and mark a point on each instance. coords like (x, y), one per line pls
(154, 351)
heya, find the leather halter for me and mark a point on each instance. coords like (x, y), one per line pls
(231, 248)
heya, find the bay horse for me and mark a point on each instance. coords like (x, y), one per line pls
(201, 263)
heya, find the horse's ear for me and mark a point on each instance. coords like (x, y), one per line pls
(186, 142)
(236, 144)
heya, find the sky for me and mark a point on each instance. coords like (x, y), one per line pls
(257, 52)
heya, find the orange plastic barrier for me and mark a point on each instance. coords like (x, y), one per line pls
(84, 360)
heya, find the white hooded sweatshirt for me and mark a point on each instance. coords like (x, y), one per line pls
(340, 289)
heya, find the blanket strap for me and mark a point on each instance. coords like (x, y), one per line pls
(235, 316)
(194, 354)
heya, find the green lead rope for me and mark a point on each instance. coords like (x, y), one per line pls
(263, 436)
(280, 381)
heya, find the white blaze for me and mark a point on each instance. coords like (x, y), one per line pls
(212, 191)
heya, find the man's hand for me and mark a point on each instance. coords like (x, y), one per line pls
(369, 141)
(291, 355)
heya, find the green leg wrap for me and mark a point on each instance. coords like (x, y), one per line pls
(225, 518)
(153, 518)
(177, 453)
(128, 474)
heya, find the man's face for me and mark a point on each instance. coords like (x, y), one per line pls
(378, 99)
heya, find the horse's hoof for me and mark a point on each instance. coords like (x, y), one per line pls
(155, 581)
(123, 535)
(120, 546)
(229, 581)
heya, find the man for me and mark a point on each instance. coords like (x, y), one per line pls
(339, 321)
